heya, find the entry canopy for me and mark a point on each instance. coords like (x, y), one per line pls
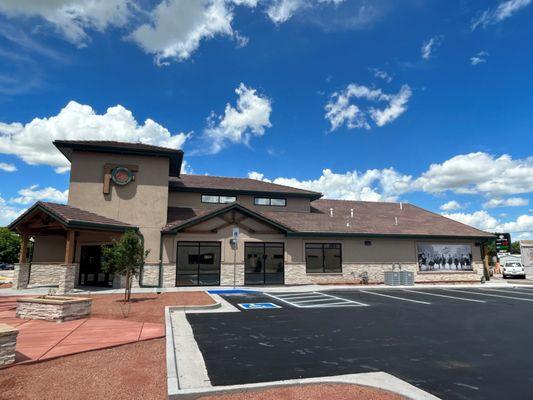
(185, 218)
(51, 217)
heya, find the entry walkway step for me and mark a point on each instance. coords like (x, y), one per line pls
(314, 300)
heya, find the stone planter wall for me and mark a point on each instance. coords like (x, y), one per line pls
(8, 342)
(54, 308)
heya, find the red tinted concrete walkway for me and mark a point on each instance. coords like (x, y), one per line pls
(42, 340)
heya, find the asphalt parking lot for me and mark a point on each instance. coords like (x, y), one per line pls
(454, 343)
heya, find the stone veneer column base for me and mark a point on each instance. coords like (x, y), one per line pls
(67, 277)
(8, 342)
(226, 274)
(21, 276)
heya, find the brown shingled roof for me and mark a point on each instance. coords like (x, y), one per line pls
(373, 218)
(188, 182)
(73, 217)
(369, 219)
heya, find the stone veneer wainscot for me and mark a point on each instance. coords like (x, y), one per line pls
(8, 342)
(54, 308)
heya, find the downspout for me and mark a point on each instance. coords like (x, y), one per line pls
(160, 280)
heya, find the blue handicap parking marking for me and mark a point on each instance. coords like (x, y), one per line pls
(258, 306)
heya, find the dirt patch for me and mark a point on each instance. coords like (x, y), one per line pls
(133, 371)
(144, 307)
(6, 285)
(312, 392)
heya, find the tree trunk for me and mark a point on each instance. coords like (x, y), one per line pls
(127, 287)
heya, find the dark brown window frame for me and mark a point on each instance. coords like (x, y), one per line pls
(270, 201)
(323, 258)
(218, 196)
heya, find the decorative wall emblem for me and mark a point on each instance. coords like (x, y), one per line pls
(122, 176)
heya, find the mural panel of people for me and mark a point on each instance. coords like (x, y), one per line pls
(444, 257)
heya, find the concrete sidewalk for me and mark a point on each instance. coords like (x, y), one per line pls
(285, 288)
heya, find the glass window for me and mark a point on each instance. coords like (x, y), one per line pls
(227, 199)
(267, 201)
(261, 201)
(209, 199)
(278, 202)
(198, 263)
(323, 257)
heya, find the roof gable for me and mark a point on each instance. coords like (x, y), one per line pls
(69, 217)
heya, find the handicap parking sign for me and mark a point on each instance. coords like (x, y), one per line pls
(258, 306)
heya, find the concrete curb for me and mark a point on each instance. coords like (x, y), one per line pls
(185, 363)
(378, 380)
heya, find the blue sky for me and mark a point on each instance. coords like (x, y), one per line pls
(421, 101)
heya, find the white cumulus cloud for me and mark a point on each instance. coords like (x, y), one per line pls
(451, 206)
(33, 193)
(341, 110)
(72, 18)
(177, 27)
(504, 10)
(509, 202)
(280, 11)
(7, 212)
(371, 185)
(250, 117)
(522, 226)
(32, 141)
(8, 167)
(479, 173)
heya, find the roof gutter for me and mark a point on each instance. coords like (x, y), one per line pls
(382, 235)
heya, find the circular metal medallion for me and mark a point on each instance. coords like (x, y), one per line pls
(121, 176)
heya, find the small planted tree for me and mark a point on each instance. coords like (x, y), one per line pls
(125, 257)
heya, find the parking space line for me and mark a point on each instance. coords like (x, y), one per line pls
(395, 297)
(489, 294)
(299, 297)
(509, 291)
(443, 295)
(316, 300)
(342, 299)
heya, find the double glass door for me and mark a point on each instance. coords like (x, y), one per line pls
(91, 273)
(198, 264)
(264, 263)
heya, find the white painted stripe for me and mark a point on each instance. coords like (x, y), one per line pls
(332, 305)
(342, 299)
(489, 294)
(394, 297)
(443, 295)
(508, 291)
(314, 300)
(301, 297)
(282, 300)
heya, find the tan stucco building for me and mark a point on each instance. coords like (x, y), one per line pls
(188, 222)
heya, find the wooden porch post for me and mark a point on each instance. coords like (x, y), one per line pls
(24, 249)
(69, 248)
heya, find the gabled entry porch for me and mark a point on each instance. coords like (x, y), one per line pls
(61, 236)
(200, 246)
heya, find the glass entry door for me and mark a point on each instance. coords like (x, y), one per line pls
(264, 263)
(198, 264)
(91, 273)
